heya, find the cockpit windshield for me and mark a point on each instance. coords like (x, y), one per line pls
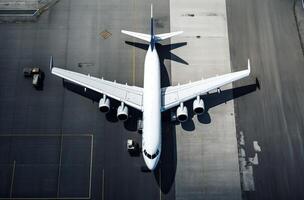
(151, 156)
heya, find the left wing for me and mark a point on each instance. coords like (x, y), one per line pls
(141, 36)
(130, 95)
(174, 95)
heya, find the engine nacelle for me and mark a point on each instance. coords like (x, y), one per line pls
(218, 90)
(182, 113)
(104, 104)
(198, 106)
(122, 112)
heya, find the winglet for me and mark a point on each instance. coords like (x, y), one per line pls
(51, 63)
(248, 65)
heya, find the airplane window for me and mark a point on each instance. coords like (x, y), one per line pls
(156, 154)
(151, 156)
(145, 152)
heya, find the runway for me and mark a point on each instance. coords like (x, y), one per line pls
(207, 156)
(265, 31)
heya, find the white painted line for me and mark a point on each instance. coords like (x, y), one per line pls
(102, 197)
(13, 177)
(52, 198)
(46, 135)
(91, 165)
(59, 167)
(35, 12)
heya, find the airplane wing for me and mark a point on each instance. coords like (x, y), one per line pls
(174, 95)
(130, 95)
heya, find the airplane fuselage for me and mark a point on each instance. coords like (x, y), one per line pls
(149, 98)
(151, 140)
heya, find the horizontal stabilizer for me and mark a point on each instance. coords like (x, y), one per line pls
(141, 36)
(167, 35)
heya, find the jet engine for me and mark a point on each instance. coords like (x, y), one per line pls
(104, 104)
(218, 90)
(198, 106)
(122, 112)
(182, 113)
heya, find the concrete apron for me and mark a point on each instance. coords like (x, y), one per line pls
(23, 11)
(207, 156)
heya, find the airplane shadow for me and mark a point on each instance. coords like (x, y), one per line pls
(214, 99)
(166, 169)
(134, 115)
(163, 53)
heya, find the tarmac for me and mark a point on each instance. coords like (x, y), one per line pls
(266, 32)
(55, 144)
(59, 164)
(21, 11)
(207, 156)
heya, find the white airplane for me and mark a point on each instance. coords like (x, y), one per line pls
(151, 99)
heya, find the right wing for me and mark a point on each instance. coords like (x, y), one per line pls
(174, 95)
(130, 95)
(164, 36)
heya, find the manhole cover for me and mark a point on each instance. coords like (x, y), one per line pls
(105, 34)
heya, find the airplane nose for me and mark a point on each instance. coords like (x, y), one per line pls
(151, 164)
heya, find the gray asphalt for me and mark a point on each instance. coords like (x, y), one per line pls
(58, 166)
(265, 32)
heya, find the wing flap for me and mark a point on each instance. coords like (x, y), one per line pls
(130, 95)
(174, 95)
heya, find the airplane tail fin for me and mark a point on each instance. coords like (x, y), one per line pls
(142, 36)
(151, 38)
(152, 23)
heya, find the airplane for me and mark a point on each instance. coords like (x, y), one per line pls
(151, 100)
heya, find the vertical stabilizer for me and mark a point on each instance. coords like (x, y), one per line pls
(152, 31)
(152, 39)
